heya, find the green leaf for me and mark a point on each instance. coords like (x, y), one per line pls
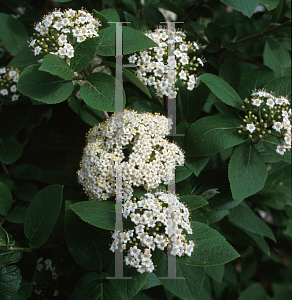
(55, 65)
(8, 256)
(25, 171)
(91, 116)
(135, 22)
(270, 4)
(140, 106)
(10, 279)
(191, 103)
(12, 34)
(98, 91)
(42, 215)
(103, 20)
(281, 54)
(25, 58)
(271, 144)
(90, 287)
(3, 237)
(84, 53)
(213, 134)
(111, 15)
(271, 62)
(43, 86)
(196, 164)
(243, 217)
(215, 272)
(24, 292)
(133, 40)
(247, 171)
(10, 150)
(81, 241)
(189, 286)
(5, 199)
(211, 248)
(193, 201)
(128, 288)
(253, 80)
(222, 90)
(181, 173)
(245, 6)
(254, 292)
(131, 76)
(17, 215)
(152, 280)
(214, 216)
(63, 1)
(281, 86)
(230, 72)
(101, 214)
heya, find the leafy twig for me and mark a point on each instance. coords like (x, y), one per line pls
(263, 32)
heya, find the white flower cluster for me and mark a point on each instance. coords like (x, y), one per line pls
(158, 69)
(46, 264)
(159, 219)
(267, 112)
(58, 32)
(102, 69)
(137, 143)
(8, 81)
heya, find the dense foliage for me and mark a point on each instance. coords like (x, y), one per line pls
(228, 65)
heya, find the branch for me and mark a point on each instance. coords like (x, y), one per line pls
(86, 73)
(101, 5)
(196, 8)
(188, 21)
(105, 114)
(4, 168)
(263, 33)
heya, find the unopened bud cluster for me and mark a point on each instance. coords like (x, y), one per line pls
(135, 143)
(268, 114)
(59, 32)
(158, 68)
(159, 219)
(8, 81)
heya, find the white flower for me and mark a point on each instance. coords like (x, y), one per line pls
(14, 97)
(280, 149)
(4, 92)
(32, 42)
(37, 50)
(182, 75)
(13, 88)
(201, 61)
(196, 45)
(256, 102)
(270, 102)
(62, 39)
(250, 127)
(277, 126)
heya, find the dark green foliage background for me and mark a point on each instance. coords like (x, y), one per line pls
(236, 190)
